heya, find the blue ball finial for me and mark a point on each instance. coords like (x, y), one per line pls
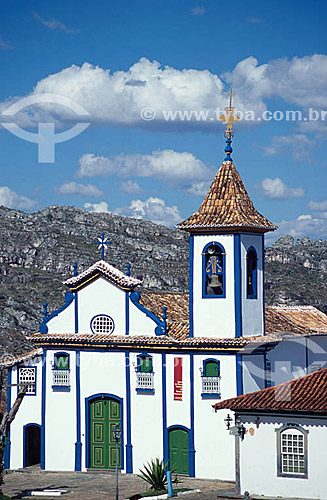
(45, 309)
(75, 268)
(128, 269)
(228, 149)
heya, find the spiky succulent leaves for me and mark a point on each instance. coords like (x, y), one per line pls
(154, 473)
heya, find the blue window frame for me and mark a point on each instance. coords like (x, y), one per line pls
(251, 274)
(144, 374)
(61, 372)
(213, 271)
(61, 361)
(210, 379)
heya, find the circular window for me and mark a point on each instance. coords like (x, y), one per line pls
(102, 324)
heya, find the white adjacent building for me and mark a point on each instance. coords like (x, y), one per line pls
(281, 441)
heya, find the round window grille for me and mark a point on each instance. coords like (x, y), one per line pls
(102, 324)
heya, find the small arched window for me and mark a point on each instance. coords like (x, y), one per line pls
(213, 262)
(144, 363)
(61, 361)
(251, 273)
(210, 379)
(211, 368)
(292, 451)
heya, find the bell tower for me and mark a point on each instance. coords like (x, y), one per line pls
(226, 278)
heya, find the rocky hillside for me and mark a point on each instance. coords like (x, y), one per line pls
(37, 252)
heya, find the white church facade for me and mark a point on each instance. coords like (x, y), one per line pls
(153, 363)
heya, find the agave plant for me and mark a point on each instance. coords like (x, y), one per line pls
(154, 473)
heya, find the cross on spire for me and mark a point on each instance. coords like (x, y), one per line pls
(103, 244)
(229, 117)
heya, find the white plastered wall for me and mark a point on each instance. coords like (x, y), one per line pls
(101, 373)
(214, 457)
(147, 434)
(139, 323)
(258, 459)
(29, 413)
(214, 317)
(101, 297)
(60, 418)
(252, 309)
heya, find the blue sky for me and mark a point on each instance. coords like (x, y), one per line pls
(117, 58)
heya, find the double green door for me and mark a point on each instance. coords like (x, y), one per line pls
(178, 450)
(104, 415)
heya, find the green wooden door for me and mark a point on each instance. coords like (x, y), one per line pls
(104, 415)
(211, 369)
(178, 450)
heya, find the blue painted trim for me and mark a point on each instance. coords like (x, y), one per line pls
(161, 324)
(139, 357)
(263, 284)
(102, 315)
(191, 449)
(61, 388)
(254, 275)
(55, 360)
(24, 440)
(8, 442)
(213, 395)
(78, 444)
(76, 312)
(223, 274)
(204, 366)
(238, 285)
(43, 406)
(129, 446)
(35, 386)
(239, 374)
(145, 391)
(88, 400)
(164, 408)
(191, 286)
(69, 297)
(127, 313)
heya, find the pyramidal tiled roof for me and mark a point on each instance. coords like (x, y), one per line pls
(227, 205)
(106, 270)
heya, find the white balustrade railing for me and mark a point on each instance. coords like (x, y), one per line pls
(211, 385)
(144, 380)
(61, 378)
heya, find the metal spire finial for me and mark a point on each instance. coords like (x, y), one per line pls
(229, 117)
(103, 244)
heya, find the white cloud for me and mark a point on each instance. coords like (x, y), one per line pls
(11, 199)
(119, 97)
(199, 188)
(198, 11)
(320, 205)
(277, 189)
(130, 187)
(299, 145)
(54, 24)
(304, 225)
(102, 206)
(179, 168)
(71, 187)
(153, 209)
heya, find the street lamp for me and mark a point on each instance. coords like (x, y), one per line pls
(116, 431)
(228, 421)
